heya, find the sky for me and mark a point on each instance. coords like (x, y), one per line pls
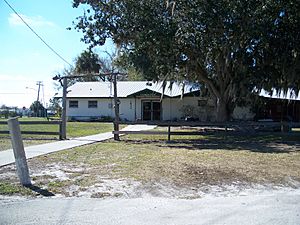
(25, 59)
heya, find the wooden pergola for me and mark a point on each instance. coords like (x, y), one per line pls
(64, 81)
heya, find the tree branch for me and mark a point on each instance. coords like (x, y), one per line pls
(202, 75)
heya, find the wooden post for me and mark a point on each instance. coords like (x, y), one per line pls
(63, 126)
(285, 127)
(116, 105)
(19, 153)
(169, 133)
(225, 132)
(60, 131)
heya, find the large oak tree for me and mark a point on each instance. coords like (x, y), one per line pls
(231, 47)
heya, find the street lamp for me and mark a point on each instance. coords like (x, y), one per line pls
(38, 91)
(30, 88)
(33, 89)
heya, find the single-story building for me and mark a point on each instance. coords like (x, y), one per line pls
(279, 106)
(138, 100)
(143, 101)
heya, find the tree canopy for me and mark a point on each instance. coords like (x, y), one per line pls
(231, 47)
(38, 109)
(87, 63)
(90, 64)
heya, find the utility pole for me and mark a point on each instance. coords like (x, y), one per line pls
(39, 83)
(116, 105)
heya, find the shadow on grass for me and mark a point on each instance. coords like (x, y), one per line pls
(43, 192)
(253, 147)
(232, 142)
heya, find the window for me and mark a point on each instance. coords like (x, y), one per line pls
(93, 104)
(73, 104)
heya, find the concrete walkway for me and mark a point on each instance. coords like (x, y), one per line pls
(7, 157)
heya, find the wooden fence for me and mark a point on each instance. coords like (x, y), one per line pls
(242, 128)
(58, 122)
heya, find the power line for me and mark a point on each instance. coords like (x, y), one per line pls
(55, 52)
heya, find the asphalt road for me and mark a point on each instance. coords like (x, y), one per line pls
(276, 207)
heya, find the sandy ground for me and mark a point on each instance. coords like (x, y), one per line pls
(103, 187)
(104, 200)
(252, 207)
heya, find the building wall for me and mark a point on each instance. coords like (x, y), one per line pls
(279, 110)
(127, 109)
(172, 108)
(131, 108)
(83, 112)
(175, 109)
(242, 113)
(104, 109)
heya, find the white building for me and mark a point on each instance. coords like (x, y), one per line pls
(139, 100)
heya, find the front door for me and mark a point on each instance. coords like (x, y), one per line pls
(151, 110)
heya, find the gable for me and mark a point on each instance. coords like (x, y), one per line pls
(145, 93)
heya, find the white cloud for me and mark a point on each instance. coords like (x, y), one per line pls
(35, 21)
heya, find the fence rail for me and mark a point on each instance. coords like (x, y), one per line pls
(34, 122)
(210, 124)
(257, 128)
(58, 122)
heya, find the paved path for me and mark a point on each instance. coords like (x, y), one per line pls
(7, 157)
(273, 208)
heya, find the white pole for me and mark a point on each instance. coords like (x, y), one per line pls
(19, 153)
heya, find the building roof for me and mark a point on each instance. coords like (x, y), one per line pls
(127, 88)
(280, 95)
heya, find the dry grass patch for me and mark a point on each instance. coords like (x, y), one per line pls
(188, 163)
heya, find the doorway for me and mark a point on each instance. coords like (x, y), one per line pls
(151, 110)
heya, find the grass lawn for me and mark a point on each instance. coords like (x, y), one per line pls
(147, 164)
(74, 129)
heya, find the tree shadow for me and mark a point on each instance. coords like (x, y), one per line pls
(43, 192)
(230, 142)
(261, 147)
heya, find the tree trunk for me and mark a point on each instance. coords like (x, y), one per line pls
(222, 111)
(220, 90)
